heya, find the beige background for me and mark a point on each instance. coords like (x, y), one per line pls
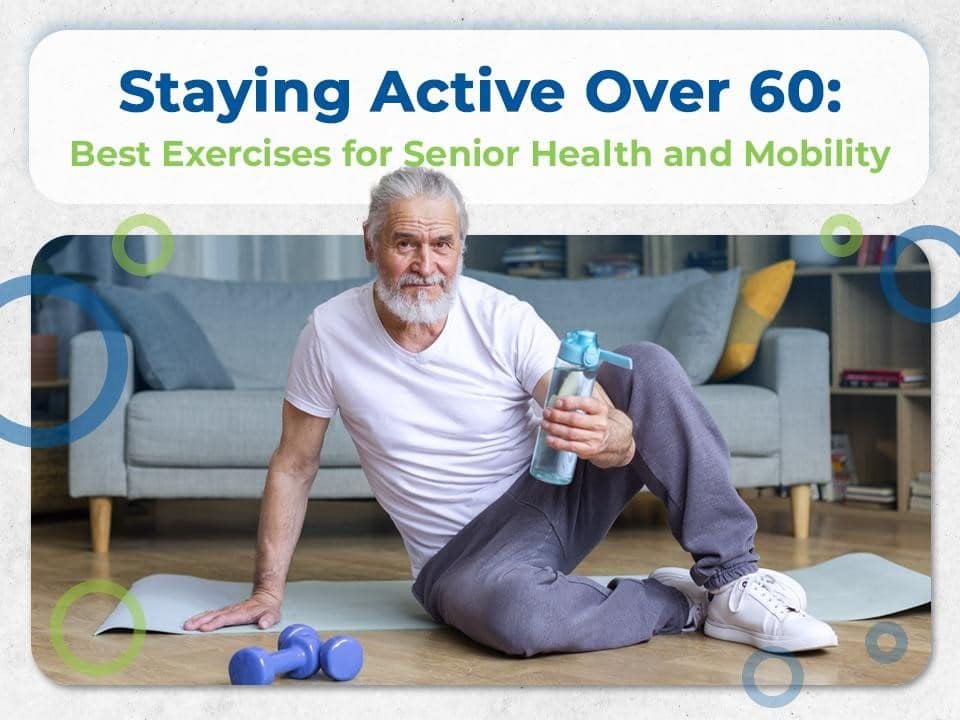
(28, 220)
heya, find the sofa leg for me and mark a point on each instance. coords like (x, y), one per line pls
(100, 508)
(800, 507)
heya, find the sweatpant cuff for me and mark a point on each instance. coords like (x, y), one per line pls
(722, 577)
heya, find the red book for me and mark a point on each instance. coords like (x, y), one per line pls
(882, 244)
(893, 375)
(863, 254)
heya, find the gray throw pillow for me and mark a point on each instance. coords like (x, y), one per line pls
(697, 322)
(171, 350)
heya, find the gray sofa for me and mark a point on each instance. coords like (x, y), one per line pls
(217, 443)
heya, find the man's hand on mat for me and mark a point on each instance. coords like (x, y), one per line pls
(598, 432)
(261, 608)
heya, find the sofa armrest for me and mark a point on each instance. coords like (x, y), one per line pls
(795, 363)
(97, 463)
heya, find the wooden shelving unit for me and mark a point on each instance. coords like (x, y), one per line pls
(889, 428)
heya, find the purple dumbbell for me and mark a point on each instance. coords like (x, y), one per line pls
(300, 654)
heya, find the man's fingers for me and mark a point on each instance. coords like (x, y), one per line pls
(575, 419)
(570, 433)
(583, 449)
(588, 404)
(199, 619)
(237, 614)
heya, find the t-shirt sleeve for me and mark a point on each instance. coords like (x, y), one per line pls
(308, 381)
(537, 347)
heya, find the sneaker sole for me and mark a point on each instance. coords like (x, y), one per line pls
(764, 642)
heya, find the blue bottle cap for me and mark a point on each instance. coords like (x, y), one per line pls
(579, 347)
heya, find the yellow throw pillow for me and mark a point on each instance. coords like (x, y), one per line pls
(761, 296)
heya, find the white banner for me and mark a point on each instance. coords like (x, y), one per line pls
(624, 116)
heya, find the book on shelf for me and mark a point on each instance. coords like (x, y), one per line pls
(920, 492)
(873, 248)
(872, 492)
(876, 496)
(884, 377)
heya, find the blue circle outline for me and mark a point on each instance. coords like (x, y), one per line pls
(872, 642)
(888, 277)
(117, 359)
(749, 680)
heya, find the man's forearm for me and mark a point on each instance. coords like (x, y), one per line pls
(282, 511)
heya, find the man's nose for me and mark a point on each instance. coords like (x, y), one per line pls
(424, 260)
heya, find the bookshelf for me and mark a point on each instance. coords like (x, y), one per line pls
(889, 428)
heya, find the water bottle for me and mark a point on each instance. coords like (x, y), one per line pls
(574, 374)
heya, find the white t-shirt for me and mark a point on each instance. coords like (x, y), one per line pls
(441, 433)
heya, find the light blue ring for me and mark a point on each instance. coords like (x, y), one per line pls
(872, 642)
(748, 677)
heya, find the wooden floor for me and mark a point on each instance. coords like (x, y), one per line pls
(356, 541)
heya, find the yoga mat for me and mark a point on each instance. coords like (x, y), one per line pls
(861, 586)
(857, 586)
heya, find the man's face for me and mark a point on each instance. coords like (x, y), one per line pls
(418, 257)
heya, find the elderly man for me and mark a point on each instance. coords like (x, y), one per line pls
(432, 374)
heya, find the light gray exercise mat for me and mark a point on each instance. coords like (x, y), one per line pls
(857, 586)
(861, 586)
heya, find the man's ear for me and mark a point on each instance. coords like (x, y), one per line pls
(367, 244)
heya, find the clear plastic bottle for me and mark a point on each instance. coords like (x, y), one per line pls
(574, 373)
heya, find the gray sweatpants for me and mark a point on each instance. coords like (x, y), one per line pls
(503, 579)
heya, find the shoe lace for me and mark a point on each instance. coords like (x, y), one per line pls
(760, 589)
(775, 587)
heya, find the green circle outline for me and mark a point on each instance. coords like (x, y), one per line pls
(128, 263)
(88, 587)
(841, 220)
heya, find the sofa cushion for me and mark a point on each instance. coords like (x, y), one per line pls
(695, 329)
(217, 428)
(241, 428)
(619, 310)
(171, 349)
(761, 298)
(253, 326)
(748, 417)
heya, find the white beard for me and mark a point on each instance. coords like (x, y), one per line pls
(420, 310)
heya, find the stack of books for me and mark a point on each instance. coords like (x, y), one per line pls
(618, 265)
(877, 496)
(536, 259)
(884, 377)
(920, 493)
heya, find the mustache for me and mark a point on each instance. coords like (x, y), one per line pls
(414, 279)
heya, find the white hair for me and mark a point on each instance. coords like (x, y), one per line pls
(406, 183)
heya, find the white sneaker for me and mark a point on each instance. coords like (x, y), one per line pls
(752, 610)
(680, 579)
